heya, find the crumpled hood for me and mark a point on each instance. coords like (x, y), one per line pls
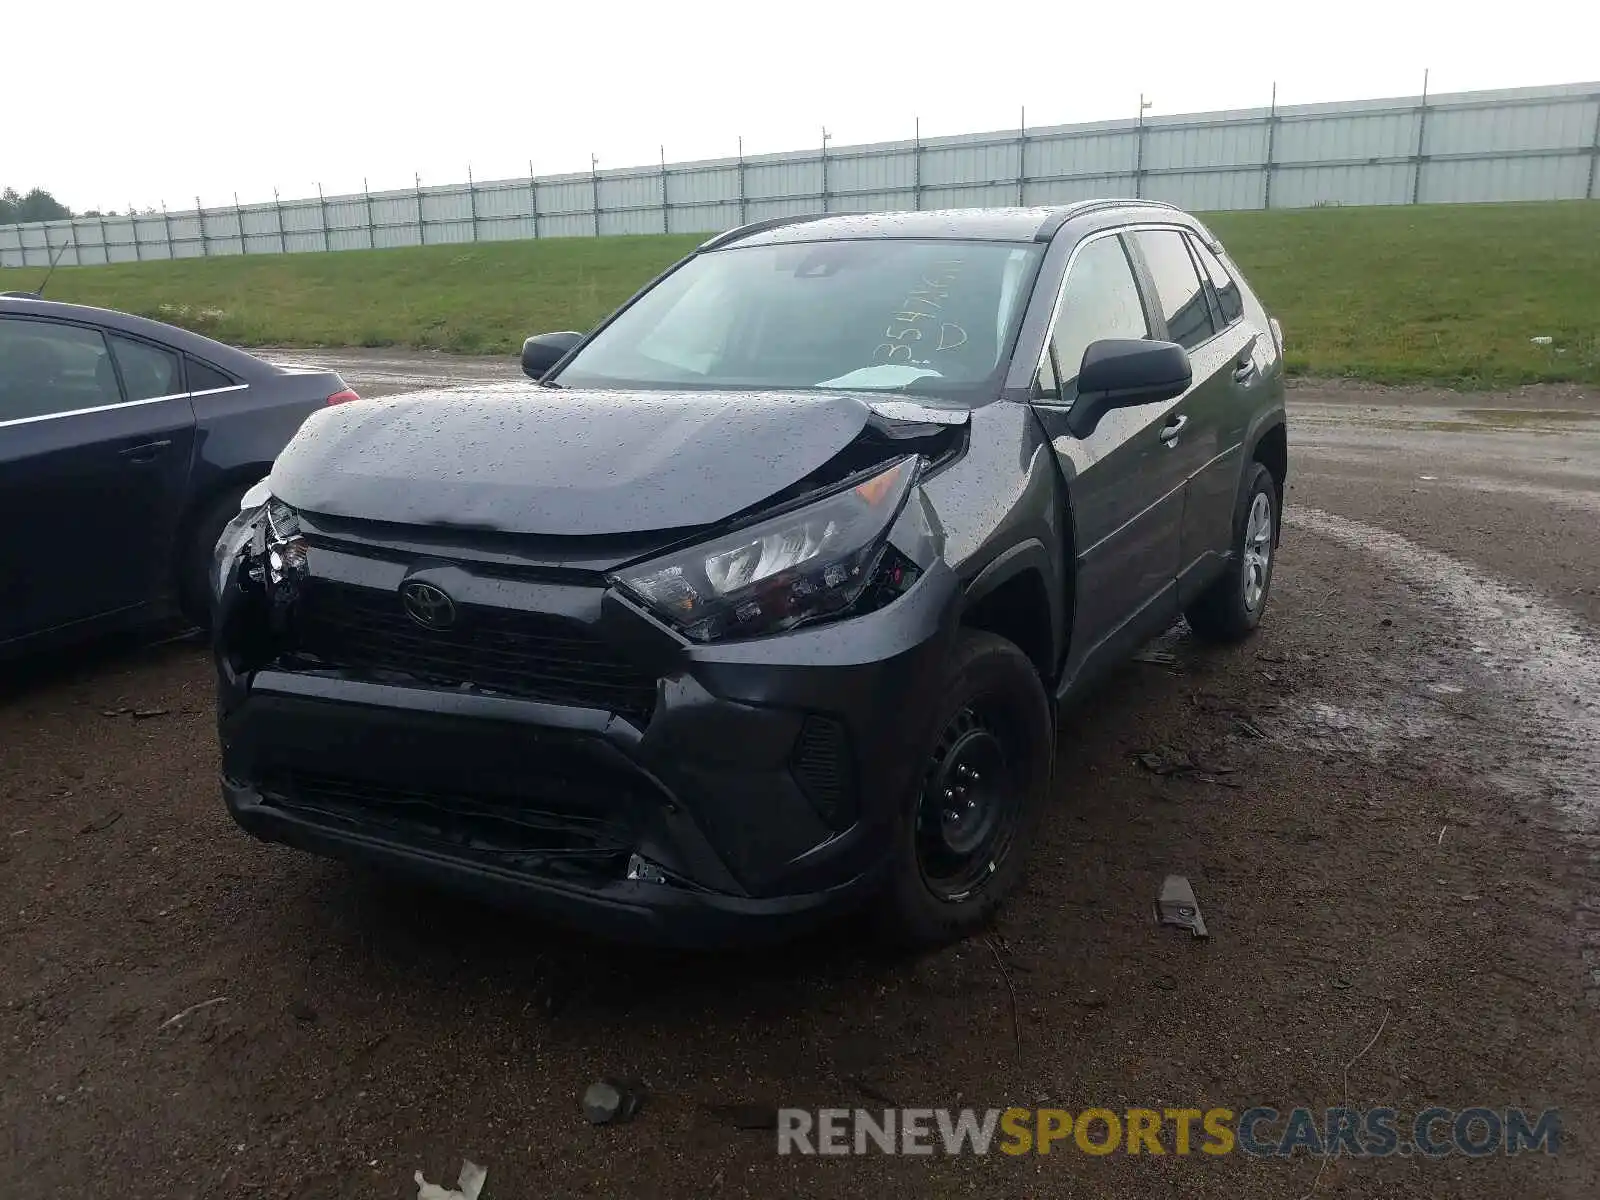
(520, 458)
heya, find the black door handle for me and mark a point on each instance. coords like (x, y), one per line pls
(146, 452)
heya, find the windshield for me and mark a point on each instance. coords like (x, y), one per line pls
(924, 317)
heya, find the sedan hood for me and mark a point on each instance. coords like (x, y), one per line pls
(520, 458)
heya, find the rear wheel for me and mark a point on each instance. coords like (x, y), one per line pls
(1231, 608)
(194, 559)
(963, 832)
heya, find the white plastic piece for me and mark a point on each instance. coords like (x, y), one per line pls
(468, 1184)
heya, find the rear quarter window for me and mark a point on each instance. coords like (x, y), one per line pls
(204, 378)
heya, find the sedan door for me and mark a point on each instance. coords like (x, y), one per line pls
(1125, 483)
(96, 434)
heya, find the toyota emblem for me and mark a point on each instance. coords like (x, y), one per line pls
(427, 605)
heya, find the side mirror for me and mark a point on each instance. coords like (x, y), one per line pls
(1122, 372)
(544, 350)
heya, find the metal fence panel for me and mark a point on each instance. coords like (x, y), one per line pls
(1516, 144)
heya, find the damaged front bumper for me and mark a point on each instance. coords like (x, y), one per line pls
(747, 790)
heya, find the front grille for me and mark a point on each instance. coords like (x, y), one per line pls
(487, 828)
(820, 764)
(535, 655)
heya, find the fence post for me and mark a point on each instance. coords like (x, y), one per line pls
(825, 136)
(666, 222)
(1422, 133)
(916, 166)
(594, 190)
(372, 229)
(533, 197)
(1022, 154)
(238, 215)
(105, 242)
(1138, 154)
(1272, 137)
(422, 224)
(1594, 149)
(742, 219)
(277, 206)
(200, 216)
(322, 215)
(133, 226)
(472, 202)
(166, 223)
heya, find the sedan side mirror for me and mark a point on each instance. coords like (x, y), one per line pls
(1122, 372)
(544, 350)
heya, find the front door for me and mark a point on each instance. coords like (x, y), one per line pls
(95, 442)
(1125, 482)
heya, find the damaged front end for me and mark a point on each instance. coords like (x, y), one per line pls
(626, 728)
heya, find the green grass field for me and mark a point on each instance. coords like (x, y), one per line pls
(1448, 293)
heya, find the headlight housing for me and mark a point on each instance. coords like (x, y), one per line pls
(268, 530)
(780, 572)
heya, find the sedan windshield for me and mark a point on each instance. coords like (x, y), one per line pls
(933, 318)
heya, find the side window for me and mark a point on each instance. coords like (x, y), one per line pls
(1227, 288)
(203, 378)
(1099, 300)
(1183, 300)
(147, 371)
(47, 368)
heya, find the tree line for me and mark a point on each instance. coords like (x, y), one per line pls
(36, 205)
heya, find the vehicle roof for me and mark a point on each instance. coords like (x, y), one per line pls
(1037, 224)
(212, 351)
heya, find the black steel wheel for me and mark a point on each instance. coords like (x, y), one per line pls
(963, 836)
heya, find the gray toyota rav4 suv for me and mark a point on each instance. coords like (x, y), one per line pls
(755, 604)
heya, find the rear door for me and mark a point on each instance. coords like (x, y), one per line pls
(1197, 438)
(1126, 486)
(1245, 349)
(96, 435)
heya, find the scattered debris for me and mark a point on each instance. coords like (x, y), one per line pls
(1176, 905)
(144, 714)
(612, 1101)
(1442, 828)
(1249, 728)
(1387, 622)
(193, 1008)
(468, 1184)
(1166, 983)
(1543, 340)
(1271, 656)
(745, 1116)
(1016, 1025)
(1470, 897)
(1342, 983)
(301, 1011)
(1166, 761)
(114, 712)
(103, 823)
(1159, 658)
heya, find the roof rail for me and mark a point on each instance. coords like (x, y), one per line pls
(1052, 224)
(744, 231)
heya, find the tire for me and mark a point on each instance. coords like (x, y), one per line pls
(1231, 608)
(946, 878)
(194, 558)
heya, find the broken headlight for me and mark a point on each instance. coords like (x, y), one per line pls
(812, 562)
(261, 548)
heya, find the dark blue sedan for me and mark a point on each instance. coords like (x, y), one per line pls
(125, 446)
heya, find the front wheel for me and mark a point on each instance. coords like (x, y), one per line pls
(1231, 608)
(962, 834)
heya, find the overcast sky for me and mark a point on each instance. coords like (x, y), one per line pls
(117, 103)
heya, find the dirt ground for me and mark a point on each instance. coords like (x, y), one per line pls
(1396, 848)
